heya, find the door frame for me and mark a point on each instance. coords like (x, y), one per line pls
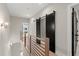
(69, 28)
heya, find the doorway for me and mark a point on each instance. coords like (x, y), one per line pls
(70, 30)
(75, 30)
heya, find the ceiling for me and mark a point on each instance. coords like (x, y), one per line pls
(25, 10)
(77, 7)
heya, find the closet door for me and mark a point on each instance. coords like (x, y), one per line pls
(74, 32)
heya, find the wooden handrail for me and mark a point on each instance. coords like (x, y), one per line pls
(34, 37)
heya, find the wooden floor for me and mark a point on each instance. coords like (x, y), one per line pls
(51, 53)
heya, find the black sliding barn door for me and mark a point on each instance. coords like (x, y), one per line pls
(50, 30)
(74, 32)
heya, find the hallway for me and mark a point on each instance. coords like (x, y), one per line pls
(34, 29)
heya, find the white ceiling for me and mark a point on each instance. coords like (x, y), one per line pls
(77, 7)
(25, 10)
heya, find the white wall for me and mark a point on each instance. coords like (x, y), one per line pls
(61, 26)
(32, 28)
(4, 34)
(15, 28)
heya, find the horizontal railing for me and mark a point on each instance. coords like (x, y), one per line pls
(37, 49)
